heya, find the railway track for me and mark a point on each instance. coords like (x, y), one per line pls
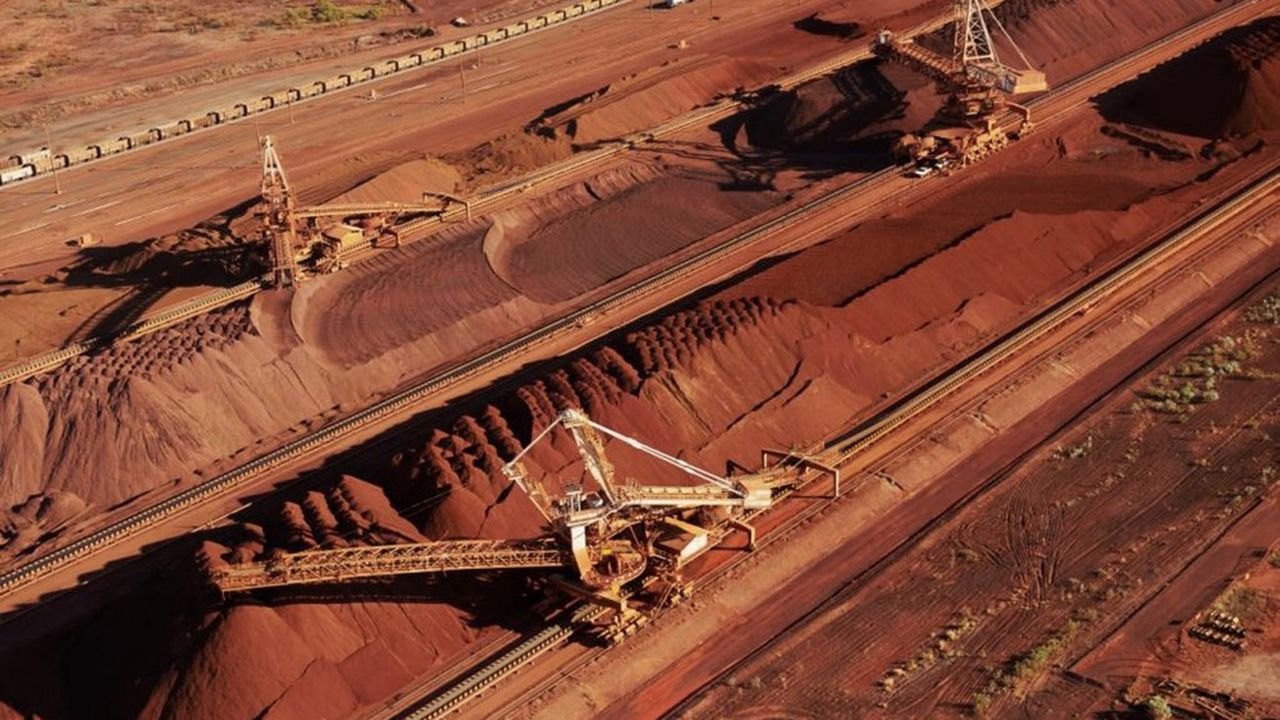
(513, 658)
(198, 306)
(841, 451)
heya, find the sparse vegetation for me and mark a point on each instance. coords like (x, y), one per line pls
(1268, 475)
(1029, 664)
(939, 647)
(44, 64)
(1036, 659)
(51, 10)
(1243, 602)
(1085, 615)
(9, 50)
(1266, 311)
(1157, 707)
(1194, 380)
(326, 12)
(1074, 452)
(149, 8)
(981, 704)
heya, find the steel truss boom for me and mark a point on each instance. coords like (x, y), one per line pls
(586, 531)
(280, 226)
(320, 211)
(291, 232)
(973, 38)
(332, 566)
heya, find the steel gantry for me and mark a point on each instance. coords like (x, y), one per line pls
(974, 76)
(298, 238)
(279, 223)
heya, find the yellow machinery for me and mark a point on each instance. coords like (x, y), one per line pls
(318, 239)
(278, 221)
(602, 537)
(977, 83)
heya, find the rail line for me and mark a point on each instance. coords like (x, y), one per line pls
(1091, 296)
(440, 682)
(516, 657)
(205, 303)
(841, 451)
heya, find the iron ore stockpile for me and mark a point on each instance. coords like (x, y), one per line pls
(889, 358)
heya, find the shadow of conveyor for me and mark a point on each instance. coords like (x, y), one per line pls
(153, 278)
(213, 253)
(115, 317)
(489, 599)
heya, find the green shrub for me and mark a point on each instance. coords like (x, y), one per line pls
(325, 11)
(981, 704)
(1157, 708)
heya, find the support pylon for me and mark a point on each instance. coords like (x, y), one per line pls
(973, 38)
(280, 225)
(975, 51)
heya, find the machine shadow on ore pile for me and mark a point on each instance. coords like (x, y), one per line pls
(842, 123)
(508, 599)
(1225, 76)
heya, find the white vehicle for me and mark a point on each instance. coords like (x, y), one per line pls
(672, 3)
(922, 171)
(16, 174)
